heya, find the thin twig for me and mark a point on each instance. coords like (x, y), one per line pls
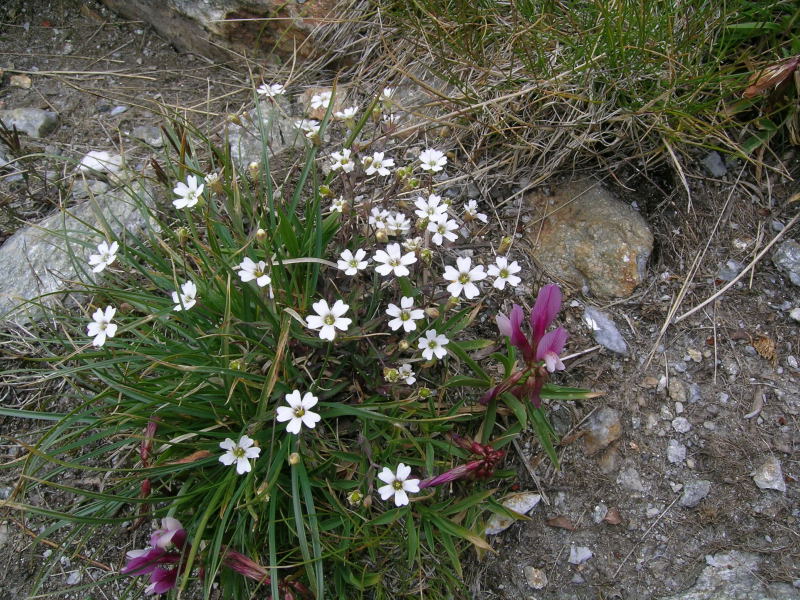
(752, 264)
(646, 533)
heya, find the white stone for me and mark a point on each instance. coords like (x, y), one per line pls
(579, 555)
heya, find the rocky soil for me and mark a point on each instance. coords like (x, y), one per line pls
(679, 482)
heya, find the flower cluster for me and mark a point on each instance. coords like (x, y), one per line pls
(163, 560)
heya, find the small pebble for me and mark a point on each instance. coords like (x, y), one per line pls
(769, 476)
(118, 110)
(795, 314)
(579, 555)
(679, 408)
(676, 452)
(681, 424)
(536, 578)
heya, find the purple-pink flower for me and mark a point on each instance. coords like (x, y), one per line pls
(162, 561)
(542, 345)
(540, 352)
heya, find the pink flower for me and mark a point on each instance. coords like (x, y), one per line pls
(541, 346)
(162, 562)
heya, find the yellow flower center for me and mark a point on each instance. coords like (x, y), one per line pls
(398, 485)
(329, 320)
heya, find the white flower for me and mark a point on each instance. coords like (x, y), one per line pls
(240, 453)
(442, 228)
(329, 319)
(386, 94)
(351, 264)
(378, 216)
(397, 224)
(397, 484)
(100, 161)
(433, 343)
(391, 120)
(309, 126)
(463, 279)
(432, 160)
(105, 256)
(321, 100)
(187, 298)
(405, 315)
(188, 193)
(504, 273)
(342, 160)
(431, 208)
(377, 164)
(406, 372)
(270, 91)
(102, 327)
(337, 205)
(250, 270)
(471, 212)
(211, 178)
(298, 412)
(413, 244)
(393, 260)
(348, 113)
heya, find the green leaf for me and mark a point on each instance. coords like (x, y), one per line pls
(556, 392)
(412, 538)
(465, 381)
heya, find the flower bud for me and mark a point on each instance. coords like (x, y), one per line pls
(426, 256)
(382, 236)
(452, 302)
(254, 168)
(367, 502)
(505, 244)
(325, 191)
(424, 393)
(214, 182)
(294, 458)
(183, 235)
(261, 235)
(432, 312)
(391, 375)
(402, 345)
(354, 498)
(412, 183)
(235, 120)
(237, 364)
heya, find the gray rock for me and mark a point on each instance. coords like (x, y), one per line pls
(88, 188)
(734, 576)
(579, 555)
(681, 424)
(5, 157)
(795, 314)
(51, 255)
(630, 479)
(787, 259)
(33, 122)
(714, 164)
(694, 491)
(149, 135)
(603, 427)
(590, 239)
(769, 476)
(676, 452)
(604, 330)
(278, 128)
(729, 270)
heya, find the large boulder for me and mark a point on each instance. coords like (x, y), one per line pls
(590, 239)
(51, 255)
(252, 27)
